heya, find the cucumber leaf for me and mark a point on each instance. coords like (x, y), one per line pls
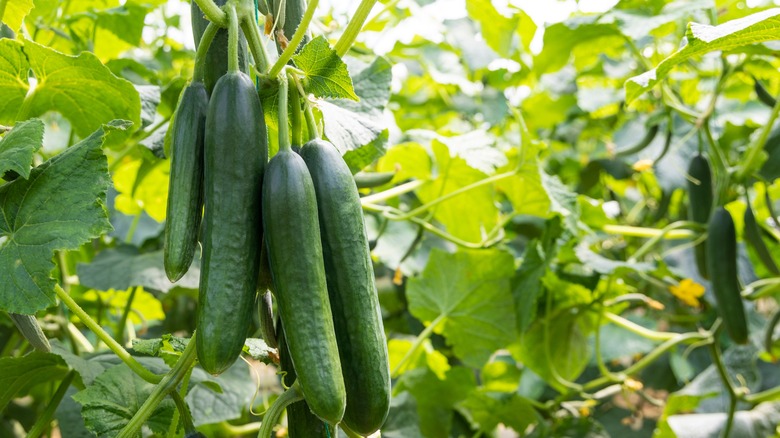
(60, 207)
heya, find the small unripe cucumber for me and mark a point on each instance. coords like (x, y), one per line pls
(236, 150)
(700, 197)
(295, 255)
(351, 287)
(185, 193)
(722, 266)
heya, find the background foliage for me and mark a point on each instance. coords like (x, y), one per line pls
(534, 276)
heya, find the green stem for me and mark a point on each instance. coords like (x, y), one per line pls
(719, 164)
(638, 329)
(167, 385)
(311, 123)
(425, 334)
(44, 421)
(233, 31)
(295, 119)
(393, 192)
(119, 334)
(241, 429)
(284, 130)
(717, 359)
(212, 12)
(349, 432)
(423, 208)
(256, 45)
(184, 411)
(296, 41)
(629, 231)
(105, 337)
(749, 163)
(769, 206)
(133, 227)
(203, 49)
(353, 28)
(271, 417)
(655, 239)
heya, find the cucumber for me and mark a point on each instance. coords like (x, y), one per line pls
(642, 144)
(290, 18)
(185, 193)
(29, 328)
(351, 288)
(216, 63)
(762, 94)
(301, 423)
(235, 153)
(700, 197)
(722, 266)
(295, 256)
(753, 237)
(373, 179)
(264, 302)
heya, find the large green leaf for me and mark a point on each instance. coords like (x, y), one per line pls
(13, 79)
(497, 29)
(60, 207)
(80, 87)
(702, 38)
(19, 145)
(326, 73)
(469, 292)
(114, 397)
(21, 373)
(15, 11)
(358, 128)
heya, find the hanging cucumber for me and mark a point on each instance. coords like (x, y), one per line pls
(288, 15)
(185, 193)
(369, 180)
(236, 150)
(264, 301)
(700, 196)
(295, 256)
(301, 423)
(722, 267)
(763, 95)
(353, 299)
(217, 56)
(753, 237)
(29, 328)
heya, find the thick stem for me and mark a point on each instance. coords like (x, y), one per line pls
(638, 329)
(629, 231)
(284, 131)
(297, 38)
(106, 338)
(353, 28)
(392, 193)
(271, 417)
(717, 359)
(295, 115)
(203, 48)
(44, 421)
(213, 12)
(165, 387)
(655, 239)
(311, 123)
(233, 31)
(255, 44)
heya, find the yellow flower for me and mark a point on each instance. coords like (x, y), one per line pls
(642, 165)
(688, 291)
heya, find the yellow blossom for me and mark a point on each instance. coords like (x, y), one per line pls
(688, 291)
(642, 165)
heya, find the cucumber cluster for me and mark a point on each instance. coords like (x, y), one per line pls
(292, 225)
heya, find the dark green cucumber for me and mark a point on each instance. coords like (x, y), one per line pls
(722, 266)
(753, 237)
(216, 63)
(641, 145)
(295, 255)
(353, 297)
(185, 192)
(291, 16)
(29, 328)
(373, 179)
(264, 302)
(235, 153)
(700, 197)
(763, 95)
(301, 423)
